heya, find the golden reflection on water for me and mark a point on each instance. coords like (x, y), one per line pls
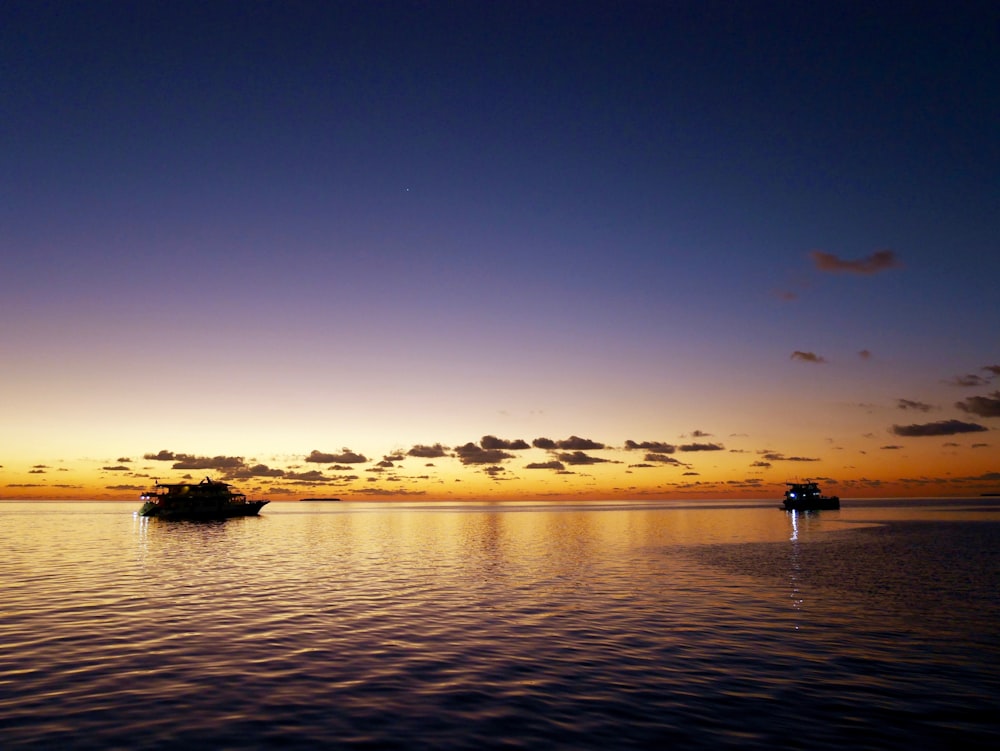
(572, 624)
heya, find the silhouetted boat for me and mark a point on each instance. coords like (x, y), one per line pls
(206, 500)
(805, 496)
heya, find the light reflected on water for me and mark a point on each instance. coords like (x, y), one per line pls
(530, 625)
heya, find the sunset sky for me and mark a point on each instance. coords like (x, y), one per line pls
(499, 250)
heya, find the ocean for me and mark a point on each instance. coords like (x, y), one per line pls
(530, 625)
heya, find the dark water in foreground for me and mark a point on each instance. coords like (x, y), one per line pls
(583, 626)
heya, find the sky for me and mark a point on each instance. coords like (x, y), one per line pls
(499, 250)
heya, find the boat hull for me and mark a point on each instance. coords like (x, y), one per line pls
(199, 512)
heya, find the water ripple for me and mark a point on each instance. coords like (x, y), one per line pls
(495, 627)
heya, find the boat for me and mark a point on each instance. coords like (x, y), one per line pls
(208, 499)
(806, 496)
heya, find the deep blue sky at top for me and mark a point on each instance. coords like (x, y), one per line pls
(629, 166)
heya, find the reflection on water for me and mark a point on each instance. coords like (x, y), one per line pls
(499, 625)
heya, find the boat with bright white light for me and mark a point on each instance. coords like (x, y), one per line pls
(206, 500)
(806, 496)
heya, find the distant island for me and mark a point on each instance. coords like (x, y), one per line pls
(318, 499)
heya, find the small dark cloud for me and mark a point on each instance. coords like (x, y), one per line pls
(880, 260)
(865, 354)
(119, 468)
(660, 458)
(257, 470)
(312, 476)
(701, 447)
(546, 465)
(428, 452)
(123, 460)
(345, 457)
(762, 465)
(911, 404)
(993, 370)
(984, 406)
(659, 447)
(775, 456)
(700, 434)
(890, 448)
(161, 456)
(470, 453)
(969, 380)
(806, 357)
(576, 443)
(942, 427)
(544, 443)
(192, 462)
(208, 462)
(489, 442)
(579, 457)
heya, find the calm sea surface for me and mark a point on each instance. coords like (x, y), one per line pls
(515, 625)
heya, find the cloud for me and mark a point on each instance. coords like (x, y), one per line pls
(257, 470)
(428, 452)
(470, 453)
(544, 443)
(189, 461)
(880, 260)
(574, 442)
(489, 442)
(700, 434)
(578, 457)
(890, 447)
(660, 447)
(992, 369)
(806, 356)
(701, 447)
(775, 456)
(208, 462)
(865, 354)
(306, 477)
(661, 458)
(119, 468)
(984, 406)
(546, 465)
(347, 457)
(969, 380)
(942, 427)
(763, 465)
(910, 404)
(161, 456)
